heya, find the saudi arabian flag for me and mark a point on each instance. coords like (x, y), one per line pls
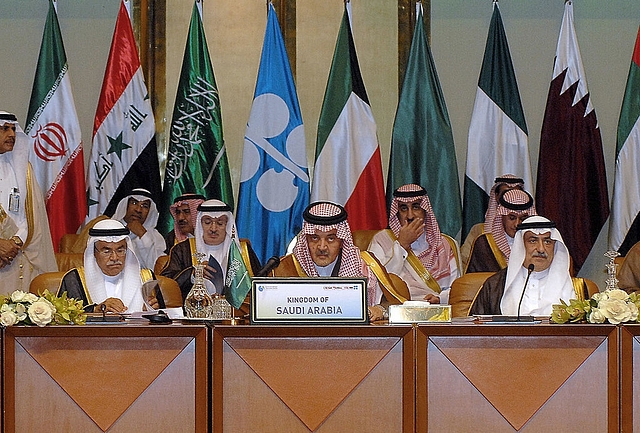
(197, 158)
(238, 281)
(422, 148)
(498, 142)
(624, 228)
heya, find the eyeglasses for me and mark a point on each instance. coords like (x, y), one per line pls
(107, 252)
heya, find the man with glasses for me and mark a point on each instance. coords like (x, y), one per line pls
(111, 278)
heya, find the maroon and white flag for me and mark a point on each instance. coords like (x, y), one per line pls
(571, 185)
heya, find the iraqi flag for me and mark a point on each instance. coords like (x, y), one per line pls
(572, 183)
(498, 141)
(123, 154)
(54, 133)
(348, 168)
(624, 228)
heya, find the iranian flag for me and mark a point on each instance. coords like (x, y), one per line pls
(498, 139)
(123, 153)
(624, 229)
(54, 132)
(348, 168)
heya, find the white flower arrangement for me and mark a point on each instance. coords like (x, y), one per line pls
(613, 306)
(23, 308)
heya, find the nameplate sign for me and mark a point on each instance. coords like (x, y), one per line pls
(308, 301)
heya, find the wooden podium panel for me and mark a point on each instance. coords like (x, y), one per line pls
(630, 377)
(106, 378)
(313, 379)
(524, 378)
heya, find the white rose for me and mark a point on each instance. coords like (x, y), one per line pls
(41, 312)
(618, 294)
(21, 312)
(5, 307)
(599, 296)
(8, 318)
(615, 310)
(31, 298)
(633, 308)
(596, 316)
(18, 296)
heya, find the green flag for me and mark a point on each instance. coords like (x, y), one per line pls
(238, 282)
(422, 149)
(197, 159)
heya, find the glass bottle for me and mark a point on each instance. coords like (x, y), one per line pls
(198, 303)
(221, 308)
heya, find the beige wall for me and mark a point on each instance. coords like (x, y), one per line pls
(235, 29)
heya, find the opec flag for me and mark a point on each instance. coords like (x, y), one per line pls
(274, 181)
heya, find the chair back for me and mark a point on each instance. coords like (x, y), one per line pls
(67, 243)
(362, 238)
(46, 281)
(161, 262)
(170, 292)
(68, 261)
(464, 290)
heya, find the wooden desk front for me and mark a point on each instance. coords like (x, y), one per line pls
(630, 377)
(115, 378)
(320, 379)
(524, 378)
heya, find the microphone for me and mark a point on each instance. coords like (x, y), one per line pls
(530, 269)
(518, 318)
(271, 264)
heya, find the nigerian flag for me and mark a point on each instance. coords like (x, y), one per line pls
(238, 281)
(498, 142)
(422, 148)
(197, 159)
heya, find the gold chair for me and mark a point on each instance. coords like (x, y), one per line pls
(362, 238)
(161, 262)
(46, 281)
(170, 292)
(68, 261)
(464, 290)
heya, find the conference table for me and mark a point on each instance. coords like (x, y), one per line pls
(203, 376)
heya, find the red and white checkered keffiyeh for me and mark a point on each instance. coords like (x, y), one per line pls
(351, 264)
(511, 182)
(438, 255)
(513, 201)
(193, 209)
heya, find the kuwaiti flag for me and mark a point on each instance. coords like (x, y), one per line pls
(572, 184)
(123, 154)
(624, 225)
(498, 141)
(348, 168)
(54, 132)
(274, 183)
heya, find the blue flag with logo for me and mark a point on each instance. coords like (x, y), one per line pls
(274, 181)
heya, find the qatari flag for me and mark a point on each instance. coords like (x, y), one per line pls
(572, 184)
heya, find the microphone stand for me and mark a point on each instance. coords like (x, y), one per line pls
(530, 269)
(518, 318)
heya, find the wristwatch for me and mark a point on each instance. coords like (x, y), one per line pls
(17, 241)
